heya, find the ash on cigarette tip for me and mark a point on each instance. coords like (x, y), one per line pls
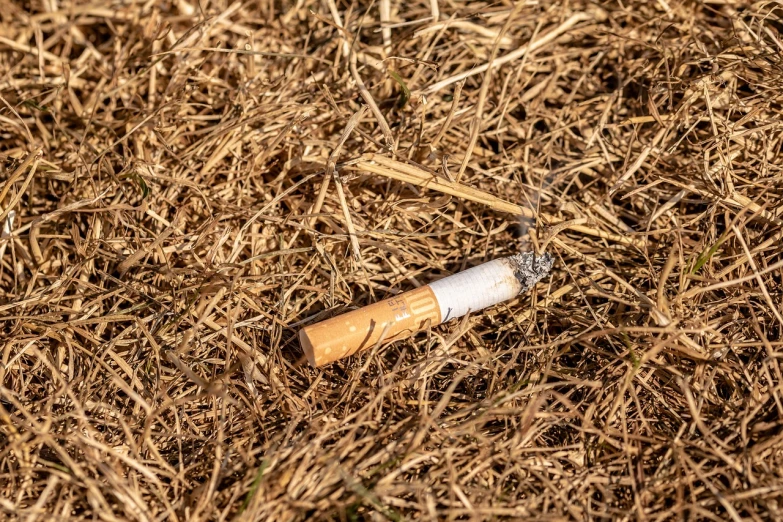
(530, 268)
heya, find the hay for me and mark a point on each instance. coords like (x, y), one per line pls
(190, 188)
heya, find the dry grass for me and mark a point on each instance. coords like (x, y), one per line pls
(190, 186)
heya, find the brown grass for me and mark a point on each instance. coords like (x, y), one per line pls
(190, 188)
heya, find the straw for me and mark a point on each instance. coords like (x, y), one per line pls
(186, 185)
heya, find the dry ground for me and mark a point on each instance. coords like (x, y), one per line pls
(183, 203)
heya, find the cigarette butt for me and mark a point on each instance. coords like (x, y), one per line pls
(405, 314)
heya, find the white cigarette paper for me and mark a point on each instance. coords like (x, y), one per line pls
(449, 298)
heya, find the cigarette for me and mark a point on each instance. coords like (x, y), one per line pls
(405, 314)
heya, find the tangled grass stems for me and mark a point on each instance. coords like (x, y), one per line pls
(191, 183)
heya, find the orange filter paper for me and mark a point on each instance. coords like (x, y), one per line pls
(381, 322)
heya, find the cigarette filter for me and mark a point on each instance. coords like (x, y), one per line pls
(400, 316)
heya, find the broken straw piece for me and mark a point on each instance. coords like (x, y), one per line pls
(8, 226)
(400, 316)
(9, 223)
